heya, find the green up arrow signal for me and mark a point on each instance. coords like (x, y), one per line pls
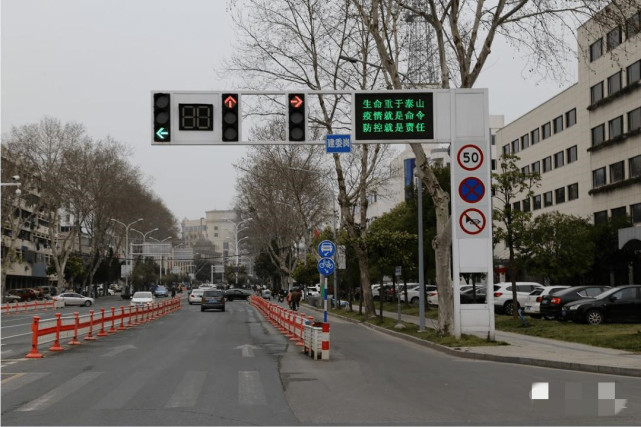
(162, 133)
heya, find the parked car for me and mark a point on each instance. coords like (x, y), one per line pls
(213, 298)
(195, 296)
(414, 293)
(312, 291)
(551, 304)
(388, 292)
(26, 294)
(142, 298)
(621, 304)
(432, 296)
(161, 292)
(233, 294)
(474, 296)
(266, 294)
(12, 298)
(48, 291)
(503, 295)
(72, 298)
(532, 305)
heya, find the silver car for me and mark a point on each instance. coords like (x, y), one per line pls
(72, 298)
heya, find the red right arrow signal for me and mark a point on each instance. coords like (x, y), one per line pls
(230, 101)
(296, 101)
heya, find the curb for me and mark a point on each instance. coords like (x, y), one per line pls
(468, 354)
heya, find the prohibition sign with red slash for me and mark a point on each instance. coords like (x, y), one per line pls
(470, 157)
(472, 221)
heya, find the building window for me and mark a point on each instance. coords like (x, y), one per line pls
(525, 170)
(598, 178)
(614, 83)
(600, 217)
(215, 227)
(633, 72)
(547, 199)
(615, 127)
(215, 234)
(558, 160)
(618, 212)
(493, 164)
(516, 206)
(616, 172)
(570, 118)
(536, 167)
(635, 212)
(535, 136)
(633, 25)
(596, 93)
(614, 38)
(515, 146)
(596, 50)
(526, 205)
(634, 167)
(634, 119)
(572, 154)
(573, 191)
(558, 124)
(598, 135)
(537, 202)
(547, 164)
(547, 130)
(525, 141)
(493, 139)
(506, 149)
(559, 195)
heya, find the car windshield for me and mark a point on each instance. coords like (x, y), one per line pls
(142, 295)
(213, 294)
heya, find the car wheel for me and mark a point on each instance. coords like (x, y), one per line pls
(87, 303)
(508, 308)
(594, 317)
(414, 300)
(223, 308)
(190, 302)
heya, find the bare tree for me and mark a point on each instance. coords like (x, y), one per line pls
(464, 33)
(300, 43)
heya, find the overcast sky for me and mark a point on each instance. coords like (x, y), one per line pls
(96, 61)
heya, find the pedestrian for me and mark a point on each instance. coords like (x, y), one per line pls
(295, 299)
(173, 291)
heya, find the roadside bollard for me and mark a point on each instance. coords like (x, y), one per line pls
(74, 340)
(102, 332)
(122, 319)
(112, 329)
(56, 344)
(33, 354)
(129, 324)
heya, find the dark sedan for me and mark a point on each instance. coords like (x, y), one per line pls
(213, 298)
(232, 294)
(477, 297)
(622, 304)
(551, 304)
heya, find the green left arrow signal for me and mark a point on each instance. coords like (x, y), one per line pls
(162, 133)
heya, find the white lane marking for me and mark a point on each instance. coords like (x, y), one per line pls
(188, 390)
(60, 392)
(250, 389)
(247, 350)
(15, 382)
(5, 354)
(125, 392)
(16, 336)
(13, 326)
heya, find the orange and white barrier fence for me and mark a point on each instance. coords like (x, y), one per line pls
(312, 336)
(24, 307)
(94, 324)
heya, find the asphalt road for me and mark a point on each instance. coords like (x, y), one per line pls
(233, 368)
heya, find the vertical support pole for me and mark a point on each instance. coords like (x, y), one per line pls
(112, 329)
(56, 344)
(102, 332)
(33, 354)
(74, 340)
(122, 319)
(90, 336)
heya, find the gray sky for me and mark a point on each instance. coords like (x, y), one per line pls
(96, 61)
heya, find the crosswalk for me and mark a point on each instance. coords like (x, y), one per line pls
(186, 394)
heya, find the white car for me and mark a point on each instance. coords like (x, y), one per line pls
(312, 291)
(532, 305)
(413, 292)
(72, 298)
(503, 295)
(432, 296)
(195, 296)
(142, 298)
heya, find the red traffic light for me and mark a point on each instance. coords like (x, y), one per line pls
(296, 101)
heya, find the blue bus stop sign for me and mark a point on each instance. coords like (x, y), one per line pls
(326, 248)
(326, 266)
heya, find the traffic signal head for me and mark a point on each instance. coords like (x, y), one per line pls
(296, 116)
(162, 117)
(230, 117)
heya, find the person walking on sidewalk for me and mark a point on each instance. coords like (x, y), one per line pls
(295, 299)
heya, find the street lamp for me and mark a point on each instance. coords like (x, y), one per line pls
(144, 235)
(236, 230)
(161, 258)
(127, 249)
(13, 184)
(160, 241)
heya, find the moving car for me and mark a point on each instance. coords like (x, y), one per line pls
(503, 295)
(266, 294)
(532, 304)
(232, 294)
(72, 298)
(26, 294)
(142, 298)
(551, 304)
(160, 292)
(195, 296)
(213, 298)
(12, 298)
(621, 304)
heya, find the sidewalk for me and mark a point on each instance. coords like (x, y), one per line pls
(536, 351)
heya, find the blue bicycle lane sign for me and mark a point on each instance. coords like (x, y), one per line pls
(326, 266)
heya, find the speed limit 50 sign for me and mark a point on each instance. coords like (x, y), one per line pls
(470, 157)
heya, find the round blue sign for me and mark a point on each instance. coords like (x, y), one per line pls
(326, 266)
(326, 248)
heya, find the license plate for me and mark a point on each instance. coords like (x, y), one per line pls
(564, 312)
(212, 300)
(544, 302)
(528, 308)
